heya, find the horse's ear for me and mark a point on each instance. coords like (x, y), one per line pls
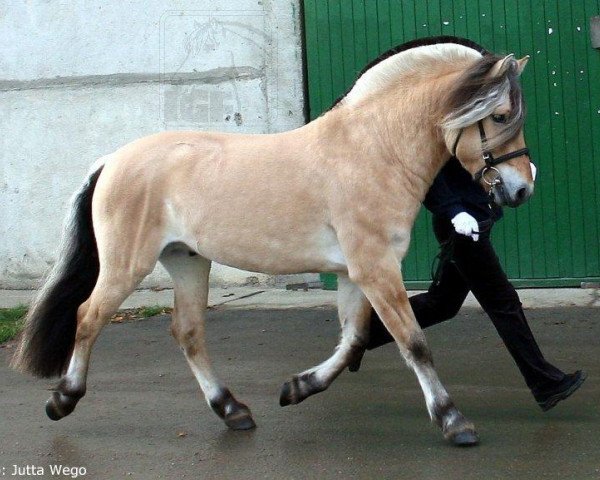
(521, 64)
(502, 66)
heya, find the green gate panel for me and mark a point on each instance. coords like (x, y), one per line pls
(553, 240)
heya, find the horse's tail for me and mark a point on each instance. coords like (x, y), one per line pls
(48, 335)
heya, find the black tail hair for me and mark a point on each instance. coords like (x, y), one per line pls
(48, 336)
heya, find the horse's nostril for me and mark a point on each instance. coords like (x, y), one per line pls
(521, 194)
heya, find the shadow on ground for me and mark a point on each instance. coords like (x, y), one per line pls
(143, 416)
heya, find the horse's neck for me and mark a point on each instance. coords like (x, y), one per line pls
(405, 138)
(420, 152)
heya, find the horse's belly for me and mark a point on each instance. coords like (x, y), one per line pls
(279, 254)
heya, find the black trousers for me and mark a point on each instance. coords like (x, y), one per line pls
(474, 266)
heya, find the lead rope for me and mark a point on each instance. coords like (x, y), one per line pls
(446, 252)
(442, 258)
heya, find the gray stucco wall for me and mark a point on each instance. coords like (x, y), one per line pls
(80, 79)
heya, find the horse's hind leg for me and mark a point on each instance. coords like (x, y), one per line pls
(354, 311)
(114, 285)
(190, 272)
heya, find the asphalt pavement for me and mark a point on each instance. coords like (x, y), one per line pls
(144, 416)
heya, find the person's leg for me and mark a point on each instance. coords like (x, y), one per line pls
(475, 266)
(479, 264)
(442, 300)
(481, 268)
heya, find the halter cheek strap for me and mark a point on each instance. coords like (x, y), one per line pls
(460, 132)
(488, 158)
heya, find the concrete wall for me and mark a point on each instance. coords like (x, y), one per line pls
(79, 79)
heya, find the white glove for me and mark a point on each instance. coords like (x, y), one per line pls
(533, 170)
(465, 224)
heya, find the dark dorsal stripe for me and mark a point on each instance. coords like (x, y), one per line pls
(421, 42)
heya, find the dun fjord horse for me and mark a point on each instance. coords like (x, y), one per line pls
(339, 194)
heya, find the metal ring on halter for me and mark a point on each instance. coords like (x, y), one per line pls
(495, 181)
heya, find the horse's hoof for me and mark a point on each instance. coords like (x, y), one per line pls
(52, 411)
(466, 438)
(456, 428)
(293, 392)
(235, 414)
(286, 397)
(60, 405)
(241, 420)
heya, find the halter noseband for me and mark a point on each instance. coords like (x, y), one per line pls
(488, 158)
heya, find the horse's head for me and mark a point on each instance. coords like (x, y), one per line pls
(483, 127)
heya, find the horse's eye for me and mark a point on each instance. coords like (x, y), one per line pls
(499, 118)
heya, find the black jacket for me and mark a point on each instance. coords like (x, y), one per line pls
(454, 191)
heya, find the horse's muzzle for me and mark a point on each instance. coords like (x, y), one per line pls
(514, 198)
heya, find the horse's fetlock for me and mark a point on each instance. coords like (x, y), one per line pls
(444, 412)
(66, 389)
(311, 380)
(220, 401)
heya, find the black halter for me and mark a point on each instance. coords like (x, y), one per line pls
(488, 158)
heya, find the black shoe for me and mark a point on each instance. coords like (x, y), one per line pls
(565, 389)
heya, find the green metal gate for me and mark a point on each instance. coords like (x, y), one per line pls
(554, 240)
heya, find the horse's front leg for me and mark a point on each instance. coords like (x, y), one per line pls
(378, 275)
(354, 312)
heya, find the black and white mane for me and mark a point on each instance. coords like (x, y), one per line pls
(476, 95)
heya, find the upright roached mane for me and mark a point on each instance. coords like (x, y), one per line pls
(426, 60)
(428, 41)
(475, 97)
(321, 198)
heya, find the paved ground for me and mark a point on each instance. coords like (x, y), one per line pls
(369, 425)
